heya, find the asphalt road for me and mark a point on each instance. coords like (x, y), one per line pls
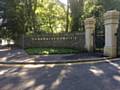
(19, 55)
(99, 76)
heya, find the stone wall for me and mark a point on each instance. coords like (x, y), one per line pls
(64, 40)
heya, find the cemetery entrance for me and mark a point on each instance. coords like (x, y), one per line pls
(99, 40)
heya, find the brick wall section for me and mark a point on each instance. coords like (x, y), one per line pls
(64, 40)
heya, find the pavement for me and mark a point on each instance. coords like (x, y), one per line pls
(90, 76)
(16, 55)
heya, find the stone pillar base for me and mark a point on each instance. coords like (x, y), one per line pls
(110, 51)
(90, 49)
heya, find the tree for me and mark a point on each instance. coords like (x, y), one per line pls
(51, 16)
(110, 4)
(76, 7)
(38, 16)
(93, 8)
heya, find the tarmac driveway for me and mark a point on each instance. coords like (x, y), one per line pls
(100, 76)
(19, 55)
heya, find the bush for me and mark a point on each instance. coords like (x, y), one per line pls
(47, 51)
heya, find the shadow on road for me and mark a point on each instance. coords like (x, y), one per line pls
(104, 76)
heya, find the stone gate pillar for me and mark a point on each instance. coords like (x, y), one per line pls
(111, 25)
(89, 33)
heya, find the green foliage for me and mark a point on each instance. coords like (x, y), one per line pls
(50, 16)
(47, 51)
(93, 8)
(35, 16)
(110, 4)
(76, 7)
(98, 7)
(21, 16)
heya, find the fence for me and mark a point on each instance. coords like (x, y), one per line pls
(64, 40)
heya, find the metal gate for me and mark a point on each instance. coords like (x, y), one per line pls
(99, 39)
(118, 39)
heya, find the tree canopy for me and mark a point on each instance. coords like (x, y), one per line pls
(50, 16)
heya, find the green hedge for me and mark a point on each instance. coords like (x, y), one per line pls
(47, 51)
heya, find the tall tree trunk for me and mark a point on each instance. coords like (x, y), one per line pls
(76, 7)
(67, 17)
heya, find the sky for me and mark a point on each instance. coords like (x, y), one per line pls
(64, 1)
